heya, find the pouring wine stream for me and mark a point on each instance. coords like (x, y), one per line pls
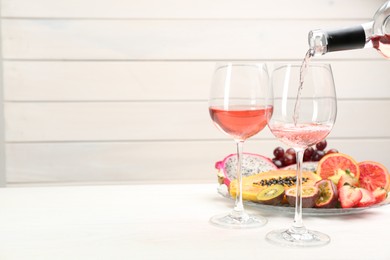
(303, 71)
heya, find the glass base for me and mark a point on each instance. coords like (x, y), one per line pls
(288, 238)
(242, 220)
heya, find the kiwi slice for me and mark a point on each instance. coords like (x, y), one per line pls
(272, 195)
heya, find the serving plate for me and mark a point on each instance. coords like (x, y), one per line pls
(286, 209)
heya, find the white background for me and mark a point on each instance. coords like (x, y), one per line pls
(113, 91)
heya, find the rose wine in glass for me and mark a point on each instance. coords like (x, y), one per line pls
(240, 105)
(240, 122)
(301, 128)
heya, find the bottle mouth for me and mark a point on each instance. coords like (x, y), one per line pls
(318, 42)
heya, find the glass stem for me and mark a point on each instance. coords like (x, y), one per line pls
(298, 226)
(239, 207)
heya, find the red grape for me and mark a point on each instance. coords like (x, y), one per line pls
(291, 151)
(288, 159)
(278, 152)
(321, 145)
(277, 162)
(332, 151)
(308, 153)
(317, 155)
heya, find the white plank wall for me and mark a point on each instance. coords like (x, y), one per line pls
(113, 91)
(2, 126)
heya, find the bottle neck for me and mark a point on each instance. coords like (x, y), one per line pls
(348, 38)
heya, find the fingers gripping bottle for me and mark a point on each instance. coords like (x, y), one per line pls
(374, 34)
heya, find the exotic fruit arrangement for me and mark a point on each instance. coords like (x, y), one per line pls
(330, 179)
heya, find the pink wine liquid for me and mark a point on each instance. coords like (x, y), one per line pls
(301, 135)
(382, 44)
(241, 122)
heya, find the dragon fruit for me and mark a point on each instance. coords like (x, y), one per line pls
(251, 164)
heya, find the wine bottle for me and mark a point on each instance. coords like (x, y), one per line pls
(374, 34)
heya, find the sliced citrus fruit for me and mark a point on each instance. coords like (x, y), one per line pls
(335, 164)
(373, 175)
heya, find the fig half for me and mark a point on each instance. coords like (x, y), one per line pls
(310, 195)
(272, 195)
(328, 194)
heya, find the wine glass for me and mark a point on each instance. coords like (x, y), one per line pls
(304, 113)
(239, 105)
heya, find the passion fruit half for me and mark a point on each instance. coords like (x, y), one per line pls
(309, 196)
(272, 195)
(328, 194)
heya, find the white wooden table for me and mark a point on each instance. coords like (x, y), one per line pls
(166, 221)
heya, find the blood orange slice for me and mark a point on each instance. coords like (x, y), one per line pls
(373, 175)
(336, 164)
